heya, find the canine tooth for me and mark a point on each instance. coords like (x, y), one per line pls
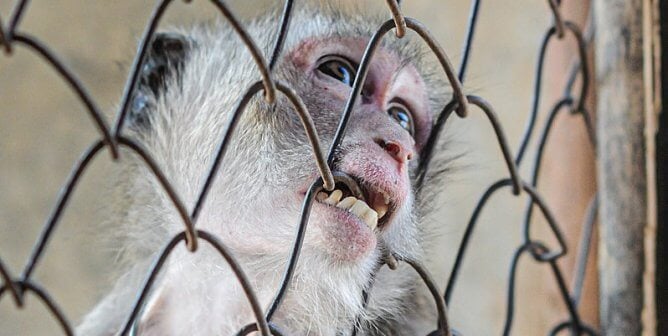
(334, 197)
(321, 196)
(347, 203)
(371, 219)
(381, 210)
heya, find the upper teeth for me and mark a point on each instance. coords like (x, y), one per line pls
(381, 210)
(355, 206)
(332, 199)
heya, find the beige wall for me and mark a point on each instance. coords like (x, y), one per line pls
(44, 129)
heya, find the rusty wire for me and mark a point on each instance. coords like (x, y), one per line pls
(537, 249)
(112, 138)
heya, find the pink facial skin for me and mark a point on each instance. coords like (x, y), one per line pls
(376, 149)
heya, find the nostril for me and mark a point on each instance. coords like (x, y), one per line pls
(367, 90)
(395, 150)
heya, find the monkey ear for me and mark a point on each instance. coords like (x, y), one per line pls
(164, 60)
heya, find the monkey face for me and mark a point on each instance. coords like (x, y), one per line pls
(189, 93)
(255, 205)
(389, 124)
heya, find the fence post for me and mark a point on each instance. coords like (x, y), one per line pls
(625, 112)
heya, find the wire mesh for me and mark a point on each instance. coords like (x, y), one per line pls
(18, 286)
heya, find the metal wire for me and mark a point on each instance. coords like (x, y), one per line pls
(537, 249)
(112, 138)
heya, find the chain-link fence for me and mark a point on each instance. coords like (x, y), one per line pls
(16, 286)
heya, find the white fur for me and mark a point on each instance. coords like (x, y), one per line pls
(196, 294)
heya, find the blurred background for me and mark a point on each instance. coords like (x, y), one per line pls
(44, 129)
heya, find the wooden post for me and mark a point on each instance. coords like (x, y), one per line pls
(625, 165)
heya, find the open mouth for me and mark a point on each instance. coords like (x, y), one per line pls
(370, 205)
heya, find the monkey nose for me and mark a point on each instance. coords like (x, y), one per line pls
(398, 152)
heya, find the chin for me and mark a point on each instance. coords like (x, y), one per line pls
(342, 236)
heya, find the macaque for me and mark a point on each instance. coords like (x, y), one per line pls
(191, 83)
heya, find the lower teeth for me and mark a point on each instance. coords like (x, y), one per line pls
(354, 205)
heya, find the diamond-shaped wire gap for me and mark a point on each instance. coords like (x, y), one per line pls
(140, 58)
(229, 259)
(45, 299)
(538, 82)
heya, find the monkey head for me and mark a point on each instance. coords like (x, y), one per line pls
(191, 84)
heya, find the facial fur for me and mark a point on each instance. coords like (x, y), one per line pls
(191, 87)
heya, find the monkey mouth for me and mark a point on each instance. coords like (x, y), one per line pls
(371, 205)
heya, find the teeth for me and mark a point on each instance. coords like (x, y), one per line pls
(371, 219)
(386, 198)
(334, 197)
(360, 209)
(355, 206)
(347, 203)
(381, 210)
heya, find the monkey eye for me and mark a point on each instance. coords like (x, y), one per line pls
(402, 115)
(339, 68)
